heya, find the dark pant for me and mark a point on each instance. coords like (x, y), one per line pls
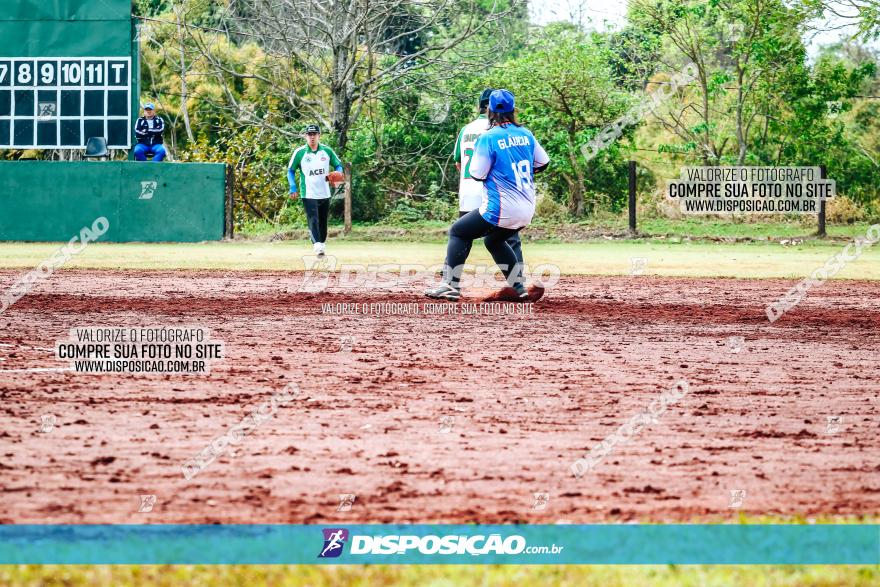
(513, 241)
(462, 235)
(316, 213)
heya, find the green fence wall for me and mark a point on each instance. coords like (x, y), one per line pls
(148, 202)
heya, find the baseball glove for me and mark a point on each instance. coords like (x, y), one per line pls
(335, 177)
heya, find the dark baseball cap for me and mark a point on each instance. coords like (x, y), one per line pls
(313, 128)
(484, 97)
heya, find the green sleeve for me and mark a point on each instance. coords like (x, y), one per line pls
(457, 153)
(297, 159)
(295, 166)
(334, 160)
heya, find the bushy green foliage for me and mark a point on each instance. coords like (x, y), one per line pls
(259, 162)
(434, 206)
(566, 90)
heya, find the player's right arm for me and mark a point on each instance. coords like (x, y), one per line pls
(294, 164)
(291, 179)
(457, 153)
(483, 159)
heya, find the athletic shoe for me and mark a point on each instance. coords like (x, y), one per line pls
(319, 248)
(444, 291)
(316, 247)
(521, 291)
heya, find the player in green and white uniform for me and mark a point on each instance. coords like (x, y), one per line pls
(314, 161)
(470, 191)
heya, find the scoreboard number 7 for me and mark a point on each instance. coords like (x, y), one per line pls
(4, 71)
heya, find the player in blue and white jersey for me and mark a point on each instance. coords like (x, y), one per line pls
(470, 191)
(506, 158)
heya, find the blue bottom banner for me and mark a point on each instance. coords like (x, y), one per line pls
(441, 544)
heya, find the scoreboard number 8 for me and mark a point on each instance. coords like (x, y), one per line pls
(24, 73)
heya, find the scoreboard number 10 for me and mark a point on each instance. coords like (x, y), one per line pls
(53, 102)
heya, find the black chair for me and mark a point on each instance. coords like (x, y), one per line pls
(96, 148)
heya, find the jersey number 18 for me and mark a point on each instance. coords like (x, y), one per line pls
(523, 173)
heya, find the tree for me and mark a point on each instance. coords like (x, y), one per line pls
(752, 77)
(864, 14)
(567, 91)
(333, 59)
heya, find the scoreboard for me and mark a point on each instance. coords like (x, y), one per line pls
(58, 103)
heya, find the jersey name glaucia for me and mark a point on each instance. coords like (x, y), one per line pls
(515, 141)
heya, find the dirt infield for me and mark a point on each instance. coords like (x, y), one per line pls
(446, 418)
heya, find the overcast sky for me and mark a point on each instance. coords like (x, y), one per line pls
(611, 14)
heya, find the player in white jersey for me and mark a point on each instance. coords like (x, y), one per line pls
(506, 158)
(314, 161)
(470, 191)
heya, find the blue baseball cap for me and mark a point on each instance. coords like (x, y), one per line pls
(149, 106)
(501, 102)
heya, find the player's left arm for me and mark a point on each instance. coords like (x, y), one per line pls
(334, 160)
(160, 126)
(336, 177)
(542, 160)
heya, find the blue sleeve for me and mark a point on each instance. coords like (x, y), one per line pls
(291, 179)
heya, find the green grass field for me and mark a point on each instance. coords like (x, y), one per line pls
(613, 225)
(442, 576)
(602, 257)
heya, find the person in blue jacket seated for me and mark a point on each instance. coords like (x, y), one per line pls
(148, 129)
